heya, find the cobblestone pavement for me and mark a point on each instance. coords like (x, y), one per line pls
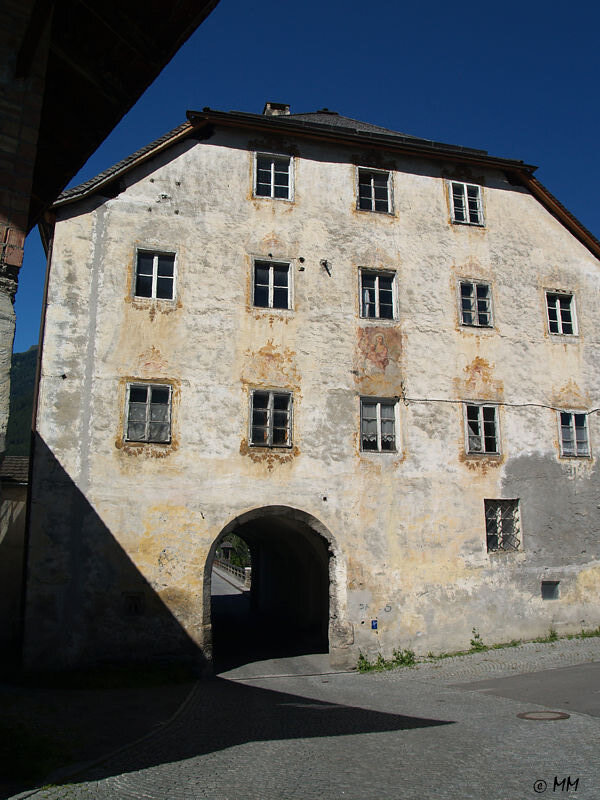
(407, 734)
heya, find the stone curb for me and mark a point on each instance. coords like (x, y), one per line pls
(63, 773)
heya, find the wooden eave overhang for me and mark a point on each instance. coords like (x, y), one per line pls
(101, 58)
(201, 123)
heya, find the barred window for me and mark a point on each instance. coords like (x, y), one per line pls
(574, 439)
(273, 176)
(502, 525)
(148, 413)
(271, 414)
(155, 275)
(466, 203)
(475, 304)
(271, 285)
(376, 295)
(482, 429)
(374, 190)
(561, 313)
(378, 424)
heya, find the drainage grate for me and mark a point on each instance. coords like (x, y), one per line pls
(543, 716)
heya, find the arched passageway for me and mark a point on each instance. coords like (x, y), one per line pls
(286, 611)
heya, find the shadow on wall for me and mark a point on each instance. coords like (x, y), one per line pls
(12, 533)
(86, 602)
(222, 715)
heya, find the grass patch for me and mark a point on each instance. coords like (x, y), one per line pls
(400, 658)
(407, 658)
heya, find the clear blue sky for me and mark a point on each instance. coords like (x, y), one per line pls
(519, 79)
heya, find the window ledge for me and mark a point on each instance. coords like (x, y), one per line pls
(265, 197)
(468, 224)
(380, 320)
(374, 211)
(505, 553)
(148, 301)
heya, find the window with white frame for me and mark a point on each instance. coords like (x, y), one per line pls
(271, 419)
(574, 438)
(502, 525)
(475, 304)
(376, 294)
(272, 284)
(465, 199)
(155, 275)
(561, 313)
(378, 424)
(148, 412)
(273, 176)
(482, 429)
(374, 190)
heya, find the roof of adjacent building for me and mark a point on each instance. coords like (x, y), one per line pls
(101, 58)
(14, 469)
(327, 125)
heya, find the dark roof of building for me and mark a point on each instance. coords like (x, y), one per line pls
(326, 125)
(336, 120)
(121, 166)
(14, 469)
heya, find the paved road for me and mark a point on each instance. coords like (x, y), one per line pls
(224, 584)
(432, 732)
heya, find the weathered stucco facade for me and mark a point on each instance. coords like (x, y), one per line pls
(399, 534)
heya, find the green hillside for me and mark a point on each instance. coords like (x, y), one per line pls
(22, 380)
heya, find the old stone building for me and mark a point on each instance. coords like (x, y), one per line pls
(371, 356)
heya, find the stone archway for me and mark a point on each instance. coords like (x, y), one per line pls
(294, 603)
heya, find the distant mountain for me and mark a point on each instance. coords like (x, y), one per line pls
(22, 381)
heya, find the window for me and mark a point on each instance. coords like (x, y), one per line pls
(502, 525)
(273, 176)
(466, 203)
(148, 413)
(155, 275)
(271, 285)
(378, 424)
(475, 304)
(374, 190)
(561, 313)
(271, 415)
(574, 440)
(376, 295)
(550, 590)
(482, 429)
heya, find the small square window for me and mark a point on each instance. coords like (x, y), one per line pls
(376, 295)
(465, 199)
(148, 413)
(374, 190)
(482, 429)
(475, 304)
(155, 275)
(271, 419)
(561, 313)
(378, 425)
(550, 590)
(502, 525)
(273, 176)
(574, 439)
(272, 285)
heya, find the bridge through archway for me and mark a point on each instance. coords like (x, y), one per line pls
(286, 610)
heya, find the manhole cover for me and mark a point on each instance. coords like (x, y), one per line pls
(543, 716)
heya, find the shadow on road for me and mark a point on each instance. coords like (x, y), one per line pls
(222, 714)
